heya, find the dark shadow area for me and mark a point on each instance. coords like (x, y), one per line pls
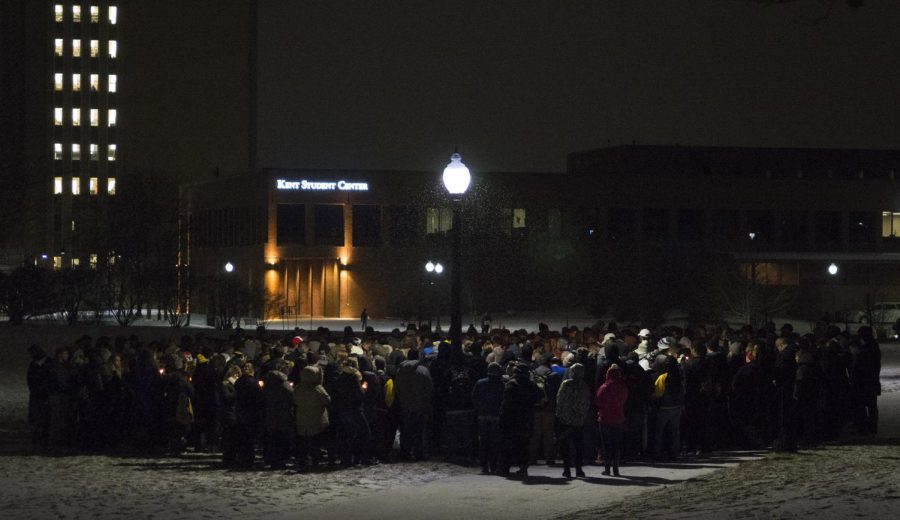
(619, 481)
(534, 480)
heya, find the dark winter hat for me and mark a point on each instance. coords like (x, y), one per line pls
(494, 369)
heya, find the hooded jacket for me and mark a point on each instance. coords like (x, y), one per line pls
(311, 403)
(610, 400)
(279, 404)
(413, 387)
(573, 401)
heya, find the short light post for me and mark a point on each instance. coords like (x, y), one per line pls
(456, 180)
(433, 268)
(833, 271)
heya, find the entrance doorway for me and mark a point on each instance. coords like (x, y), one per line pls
(311, 287)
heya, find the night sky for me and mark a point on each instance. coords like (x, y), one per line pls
(517, 85)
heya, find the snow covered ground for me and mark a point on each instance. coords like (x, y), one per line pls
(833, 482)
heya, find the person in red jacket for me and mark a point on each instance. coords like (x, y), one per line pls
(610, 401)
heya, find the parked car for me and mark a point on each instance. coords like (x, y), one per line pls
(882, 312)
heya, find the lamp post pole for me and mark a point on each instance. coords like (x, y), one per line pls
(456, 179)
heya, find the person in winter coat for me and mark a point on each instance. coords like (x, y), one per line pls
(279, 399)
(177, 407)
(669, 393)
(573, 402)
(865, 373)
(39, 383)
(248, 410)
(543, 442)
(517, 419)
(229, 415)
(349, 400)
(311, 408)
(785, 377)
(808, 392)
(413, 391)
(610, 401)
(747, 401)
(487, 396)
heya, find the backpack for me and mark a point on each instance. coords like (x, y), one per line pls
(184, 410)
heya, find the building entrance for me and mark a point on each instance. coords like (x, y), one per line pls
(310, 287)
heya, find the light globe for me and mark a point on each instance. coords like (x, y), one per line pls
(833, 269)
(429, 267)
(438, 268)
(456, 176)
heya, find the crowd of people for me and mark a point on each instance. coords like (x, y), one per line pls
(502, 399)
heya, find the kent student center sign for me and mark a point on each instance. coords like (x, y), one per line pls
(305, 185)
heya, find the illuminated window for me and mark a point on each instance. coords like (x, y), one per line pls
(113, 79)
(890, 224)
(93, 260)
(58, 12)
(75, 261)
(58, 81)
(58, 116)
(95, 82)
(113, 48)
(95, 152)
(438, 220)
(95, 14)
(76, 152)
(111, 185)
(58, 46)
(95, 117)
(518, 218)
(111, 117)
(93, 186)
(76, 185)
(113, 14)
(111, 153)
(76, 48)
(57, 185)
(57, 153)
(76, 117)
(57, 262)
(95, 48)
(76, 82)
(76, 13)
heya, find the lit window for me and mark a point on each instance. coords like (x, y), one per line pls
(113, 79)
(58, 46)
(111, 185)
(93, 260)
(890, 224)
(76, 152)
(57, 262)
(76, 48)
(518, 218)
(95, 152)
(111, 117)
(58, 81)
(111, 153)
(58, 12)
(76, 82)
(76, 185)
(113, 48)
(57, 153)
(95, 117)
(58, 116)
(95, 82)
(95, 48)
(438, 220)
(95, 14)
(76, 13)
(76, 117)
(57, 185)
(75, 261)
(113, 14)
(93, 186)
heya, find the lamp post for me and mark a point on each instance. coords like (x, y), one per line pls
(431, 268)
(456, 180)
(833, 271)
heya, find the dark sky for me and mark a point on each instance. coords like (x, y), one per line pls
(517, 85)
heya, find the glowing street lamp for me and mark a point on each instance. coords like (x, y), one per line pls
(229, 267)
(456, 176)
(438, 268)
(429, 266)
(833, 269)
(456, 179)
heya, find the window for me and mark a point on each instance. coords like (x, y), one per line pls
(57, 185)
(76, 152)
(76, 117)
(890, 224)
(366, 225)
(518, 218)
(95, 14)
(690, 224)
(291, 224)
(57, 152)
(95, 82)
(57, 262)
(111, 86)
(95, 48)
(58, 81)
(621, 224)
(111, 153)
(58, 13)
(58, 116)
(655, 223)
(793, 227)
(111, 186)
(76, 187)
(329, 225)
(438, 220)
(76, 48)
(827, 227)
(111, 117)
(95, 117)
(113, 15)
(95, 153)
(113, 48)
(404, 223)
(76, 13)
(58, 46)
(554, 222)
(93, 187)
(76, 82)
(860, 231)
(92, 259)
(75, 261)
